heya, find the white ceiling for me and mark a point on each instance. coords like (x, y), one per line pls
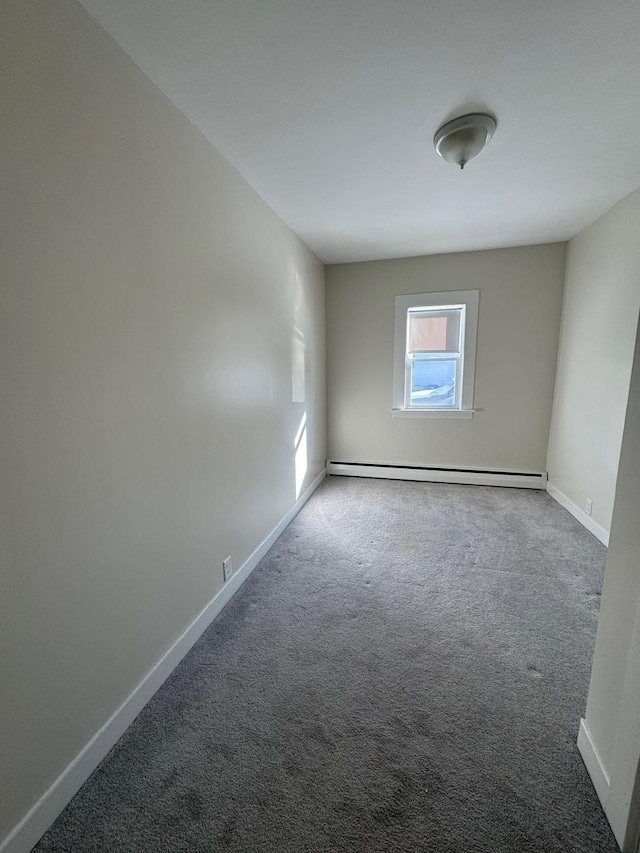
(328, 109)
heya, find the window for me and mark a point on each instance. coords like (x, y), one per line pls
(435, 349)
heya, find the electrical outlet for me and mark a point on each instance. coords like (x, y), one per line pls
(227, 568)
(588, 506)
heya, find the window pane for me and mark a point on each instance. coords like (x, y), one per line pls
(433, 383)
(434, 330)
(427, 334)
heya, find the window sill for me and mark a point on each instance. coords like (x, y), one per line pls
(464, 414)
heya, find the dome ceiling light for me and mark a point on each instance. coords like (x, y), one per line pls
(458, 141)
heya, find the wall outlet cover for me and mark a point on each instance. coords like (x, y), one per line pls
(227, 568)
(588, 506)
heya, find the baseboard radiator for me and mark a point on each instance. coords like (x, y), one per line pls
(441, 474)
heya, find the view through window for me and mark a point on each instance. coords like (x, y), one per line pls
(434, 355)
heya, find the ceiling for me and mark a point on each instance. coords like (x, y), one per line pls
(328, 109)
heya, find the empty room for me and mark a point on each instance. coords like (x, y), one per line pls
(320, 435)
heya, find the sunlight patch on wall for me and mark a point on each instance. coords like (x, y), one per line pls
(297, 367)
(300, 447)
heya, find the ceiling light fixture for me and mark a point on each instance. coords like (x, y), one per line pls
(458, 141)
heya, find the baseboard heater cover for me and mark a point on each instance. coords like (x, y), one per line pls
(441, 474)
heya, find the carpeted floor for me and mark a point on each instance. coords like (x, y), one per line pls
(404, 671)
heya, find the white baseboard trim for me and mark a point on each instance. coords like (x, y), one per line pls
(592, 526)
(593, 763)
(441, 474)
(39, 818)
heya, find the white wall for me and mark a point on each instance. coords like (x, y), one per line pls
(592, 446)
(149, 302)
(599, 319)
(588, 454)
(613, 707)
(520, 305)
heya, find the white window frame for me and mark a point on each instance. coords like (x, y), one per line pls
(470, 300)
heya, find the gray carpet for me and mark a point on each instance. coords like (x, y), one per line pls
(404, 671)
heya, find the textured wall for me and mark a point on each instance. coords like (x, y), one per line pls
(153, 312)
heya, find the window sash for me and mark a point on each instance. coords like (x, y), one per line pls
(458, 363)
(443, 334)
(453, 335)
(436, 356)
